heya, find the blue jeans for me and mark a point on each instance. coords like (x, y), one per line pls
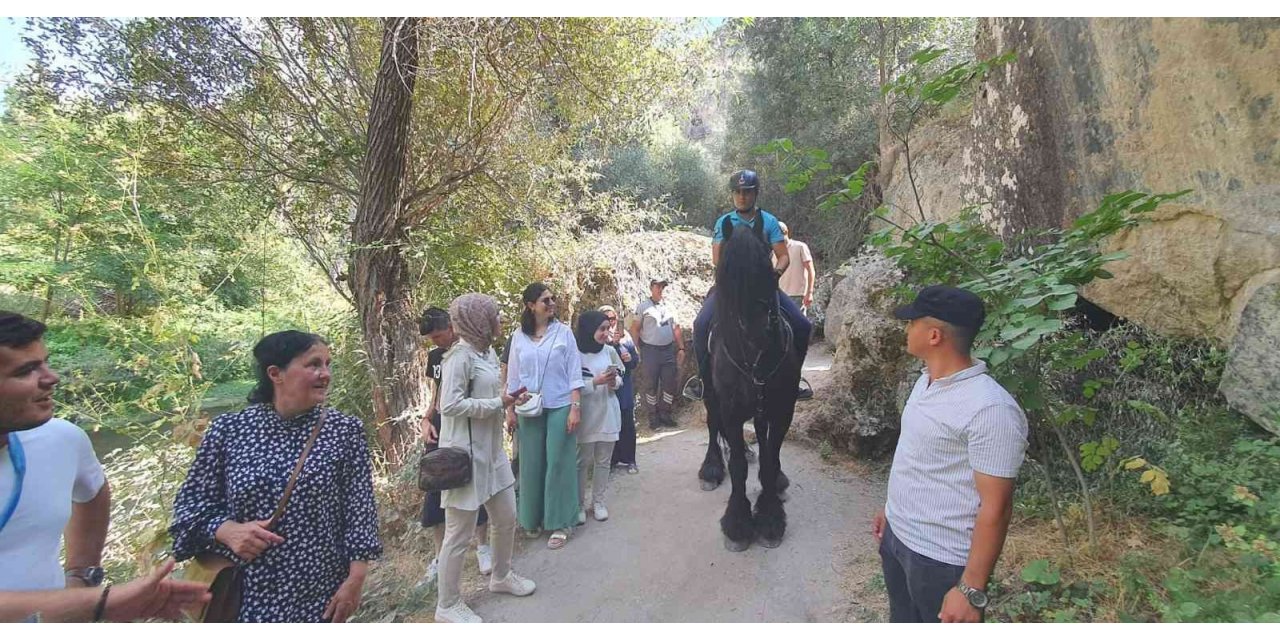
(800, 327)
(916, 583)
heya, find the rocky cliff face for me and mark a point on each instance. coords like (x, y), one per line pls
(615, 269)
(1094, 106)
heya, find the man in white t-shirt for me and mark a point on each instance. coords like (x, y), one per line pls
(51, 483)
(797, 281)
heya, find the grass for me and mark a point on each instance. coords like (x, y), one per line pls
(1112, 582)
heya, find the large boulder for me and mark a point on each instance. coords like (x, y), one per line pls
(823, 290)
(615, 269)
(1249, 382)
(1094, 106)
(871, 374)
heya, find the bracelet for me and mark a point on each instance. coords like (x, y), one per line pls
(99, 610)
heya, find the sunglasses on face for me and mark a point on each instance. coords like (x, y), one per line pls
(611, 318)
(547, 299)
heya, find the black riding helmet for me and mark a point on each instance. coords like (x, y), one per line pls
(744, 179)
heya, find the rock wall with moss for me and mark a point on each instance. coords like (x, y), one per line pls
(1093, 106)
(1100, 105)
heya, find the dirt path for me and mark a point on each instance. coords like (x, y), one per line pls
(660, 557)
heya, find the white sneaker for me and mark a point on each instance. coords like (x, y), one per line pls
(457, 613)
(484, 558)
(600, 512)
(512, 584)
(429, 580)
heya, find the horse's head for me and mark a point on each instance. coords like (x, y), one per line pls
(746, 286)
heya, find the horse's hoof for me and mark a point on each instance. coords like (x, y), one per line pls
(783, 497)
(770, 543)
(708, 485)
(735, 546)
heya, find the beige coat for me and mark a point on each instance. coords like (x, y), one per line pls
(464, 368)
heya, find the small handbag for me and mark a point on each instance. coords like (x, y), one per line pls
(447, 467)
(227, 589)
(532, 408)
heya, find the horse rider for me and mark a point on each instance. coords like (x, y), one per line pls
(745, 185)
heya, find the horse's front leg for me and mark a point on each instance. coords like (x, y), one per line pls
(712, 472)
(737, 524)
(770, 515)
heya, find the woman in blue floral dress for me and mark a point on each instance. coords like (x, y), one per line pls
(312, 566)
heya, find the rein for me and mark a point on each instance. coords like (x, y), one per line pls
(785, 333)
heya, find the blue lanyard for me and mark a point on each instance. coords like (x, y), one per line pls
(19, 459)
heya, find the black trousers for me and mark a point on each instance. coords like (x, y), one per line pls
(624, 452)
(916, 583)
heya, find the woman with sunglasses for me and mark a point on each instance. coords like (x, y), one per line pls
(544, 360)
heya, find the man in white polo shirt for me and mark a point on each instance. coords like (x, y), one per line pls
(661, 354)
(951, 484)
(51, 487)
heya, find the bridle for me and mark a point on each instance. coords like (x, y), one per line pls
(785, 332)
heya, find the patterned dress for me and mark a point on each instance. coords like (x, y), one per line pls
(240, 472)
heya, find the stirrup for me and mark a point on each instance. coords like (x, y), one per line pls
(693, 388)
(805, 386)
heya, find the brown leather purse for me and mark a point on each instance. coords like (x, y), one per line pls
(227, 589)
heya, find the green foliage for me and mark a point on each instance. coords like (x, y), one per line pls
(1042, 573)
(816, 83)
(1225, 506)
(799, 166)
(1094, 454)
(1026, 291)
(144, 482)
(673, 174)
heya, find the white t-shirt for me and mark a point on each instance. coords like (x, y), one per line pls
(61, 468)
(793, 280)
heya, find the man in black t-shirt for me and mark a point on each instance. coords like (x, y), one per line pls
(436, 327)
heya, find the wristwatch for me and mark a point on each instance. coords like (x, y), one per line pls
(90, 576)
(976, 597)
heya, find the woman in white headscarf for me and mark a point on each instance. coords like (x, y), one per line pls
(472, 405)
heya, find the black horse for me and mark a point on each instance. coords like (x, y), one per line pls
(754, 372)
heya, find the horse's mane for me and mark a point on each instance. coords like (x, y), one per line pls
(744, 274)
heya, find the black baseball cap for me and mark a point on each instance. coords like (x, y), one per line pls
(948, 304)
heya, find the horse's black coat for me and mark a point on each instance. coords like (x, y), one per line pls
(754, 373)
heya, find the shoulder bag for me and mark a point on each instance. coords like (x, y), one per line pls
(447, 467)
(227, 589)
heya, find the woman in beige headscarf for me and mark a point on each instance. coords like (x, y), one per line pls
(472, 405)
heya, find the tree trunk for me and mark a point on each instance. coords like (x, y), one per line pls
(886, 55)
(379, 281)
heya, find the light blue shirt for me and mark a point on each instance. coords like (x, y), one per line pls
(772, 230)
(552, 366)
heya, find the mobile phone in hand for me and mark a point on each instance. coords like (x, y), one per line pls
(519, 392)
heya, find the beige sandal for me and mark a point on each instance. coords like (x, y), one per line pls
(558, 539)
